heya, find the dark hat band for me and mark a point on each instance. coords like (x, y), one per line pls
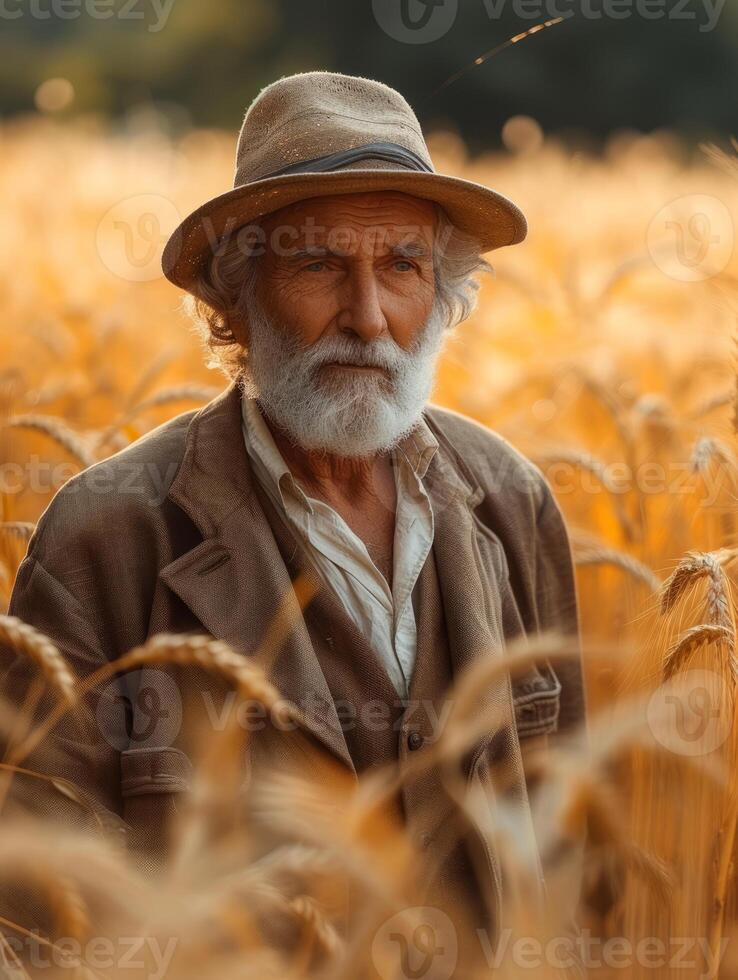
(392, 152)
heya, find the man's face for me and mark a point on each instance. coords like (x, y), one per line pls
(360, 264)
(344, 327)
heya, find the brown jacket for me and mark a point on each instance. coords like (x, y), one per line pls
(169, 535)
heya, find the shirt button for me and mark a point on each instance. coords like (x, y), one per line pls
(414, 741)
(424, 840)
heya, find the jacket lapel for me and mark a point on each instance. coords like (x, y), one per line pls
(472, 572)
(234, 580)
(468, 569)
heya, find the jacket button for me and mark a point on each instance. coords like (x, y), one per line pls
(414, 741)
(424, 840)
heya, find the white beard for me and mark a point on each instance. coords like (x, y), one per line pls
(348, 414)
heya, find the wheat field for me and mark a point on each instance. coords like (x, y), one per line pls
(604, 348)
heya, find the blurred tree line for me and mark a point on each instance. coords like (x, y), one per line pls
(203, 62)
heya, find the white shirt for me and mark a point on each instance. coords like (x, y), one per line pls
(386, 617)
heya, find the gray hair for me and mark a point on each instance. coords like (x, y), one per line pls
(226, 289)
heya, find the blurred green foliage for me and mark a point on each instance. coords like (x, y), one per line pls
(203, 61)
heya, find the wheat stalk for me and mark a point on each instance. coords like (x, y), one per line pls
(720, 631)
(708, 448)
(184, 392)
(71, 914)
(581, 459)
(696, 565)
(59, 432)
(594, 805)
(160, 362)
(9, 961)
(315, 923)
(598, 469)
(611, 404)
(725, 848)
(696, 637)
(593, 554)
(735, 402)
(105, 822)
(176, 393)
(200, 650)
(212, 655)
(67, 961)
(36, 646)
(18, 529)
(712, 403)
(726, 161)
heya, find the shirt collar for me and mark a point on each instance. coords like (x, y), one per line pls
(418, 448)
(261, 445)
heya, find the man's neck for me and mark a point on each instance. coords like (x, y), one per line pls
(358, 481)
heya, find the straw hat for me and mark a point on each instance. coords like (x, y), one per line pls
(318, 133)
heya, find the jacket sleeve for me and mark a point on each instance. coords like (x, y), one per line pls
(557, 607)
(83, 749)
(81, 753)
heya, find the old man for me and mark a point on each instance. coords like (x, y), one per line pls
(323, 285)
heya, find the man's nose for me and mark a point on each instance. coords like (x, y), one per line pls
(362, 313)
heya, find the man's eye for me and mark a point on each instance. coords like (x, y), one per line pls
(408, 265)
(316, 266)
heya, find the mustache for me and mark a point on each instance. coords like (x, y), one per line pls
(386, 354)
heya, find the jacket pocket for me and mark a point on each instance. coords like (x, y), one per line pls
(537, 692)
(153, 781)
(536, 699)
(154, 770)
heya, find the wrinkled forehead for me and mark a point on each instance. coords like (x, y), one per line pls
(354, 224)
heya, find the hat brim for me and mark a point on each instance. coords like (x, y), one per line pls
(491, 218)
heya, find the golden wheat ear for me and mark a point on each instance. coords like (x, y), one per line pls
(38, 648)
(695, 566)
(21, 530)
(75, 444)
